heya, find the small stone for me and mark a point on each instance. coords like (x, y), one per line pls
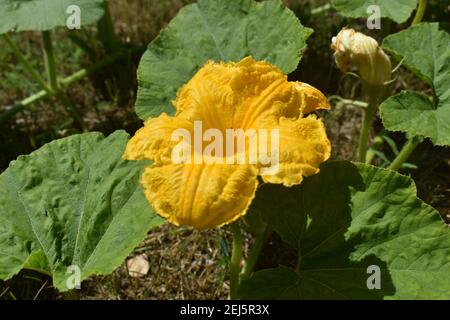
(138, 266)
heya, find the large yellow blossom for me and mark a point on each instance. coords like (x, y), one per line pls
(245, 95)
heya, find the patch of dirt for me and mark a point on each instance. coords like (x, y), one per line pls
(184, 264)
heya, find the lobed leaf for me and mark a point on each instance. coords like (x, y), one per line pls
(73, 202)
(344, 220)
(425, 50)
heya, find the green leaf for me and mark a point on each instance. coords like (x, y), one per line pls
(72, 202)
(425, 50)
(344, 220)
(41, 15)
(398, 11)
(220, 31)
(414, 113)
(392, 144)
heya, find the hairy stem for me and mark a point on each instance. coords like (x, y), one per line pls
(356, 103)
(420, 12)
(366, 126)
(235, 263)
(321, 9)
(377, 143)
(254, 253)
(404, 154)
(106, 32)
(49, 58)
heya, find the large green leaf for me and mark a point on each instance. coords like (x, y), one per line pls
(345, 219)
(221, 31)
(40, 15)
(414, 113)
(399, 10)
(72, 202)
(425, 50)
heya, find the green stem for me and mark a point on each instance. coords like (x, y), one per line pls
(106, 31)
(20, 106)
(49, 60)
(420, 12)
(356, 103)
(254, 253)
(53, 79)
(33, 72)
(404, 154)
(235, 263)
(321, 9)
(366, 126)
(377, 143)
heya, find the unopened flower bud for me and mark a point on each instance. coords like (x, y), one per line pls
(364, 53)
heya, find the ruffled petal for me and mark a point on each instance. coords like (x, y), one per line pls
(303, 146)
(208, 97)
(154, 140)
(235, 95)
(312, 98)
(201, 196)
(264, 92)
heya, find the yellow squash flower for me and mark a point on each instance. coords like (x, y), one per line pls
(245, 95)
(351, 47)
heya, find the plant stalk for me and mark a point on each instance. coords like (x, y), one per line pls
(420, 12)
(366, 126)
(356, 103)
(235, 263)
(321, 9)
(253, 256)
(33, 72)
(52, 77)
(404, 154)
(377, 143)
(106, 31)
(49, 58)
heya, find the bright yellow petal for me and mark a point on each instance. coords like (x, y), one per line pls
(201, 196)
(303, 147)
(264, 92)
(244, 95)
(153, 141)
(312, 98)
(208, 97)
(235, 95)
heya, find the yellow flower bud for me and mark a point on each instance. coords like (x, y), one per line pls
(364, 53)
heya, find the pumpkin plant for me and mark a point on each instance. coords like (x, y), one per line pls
(87, 200)
(423, 49)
